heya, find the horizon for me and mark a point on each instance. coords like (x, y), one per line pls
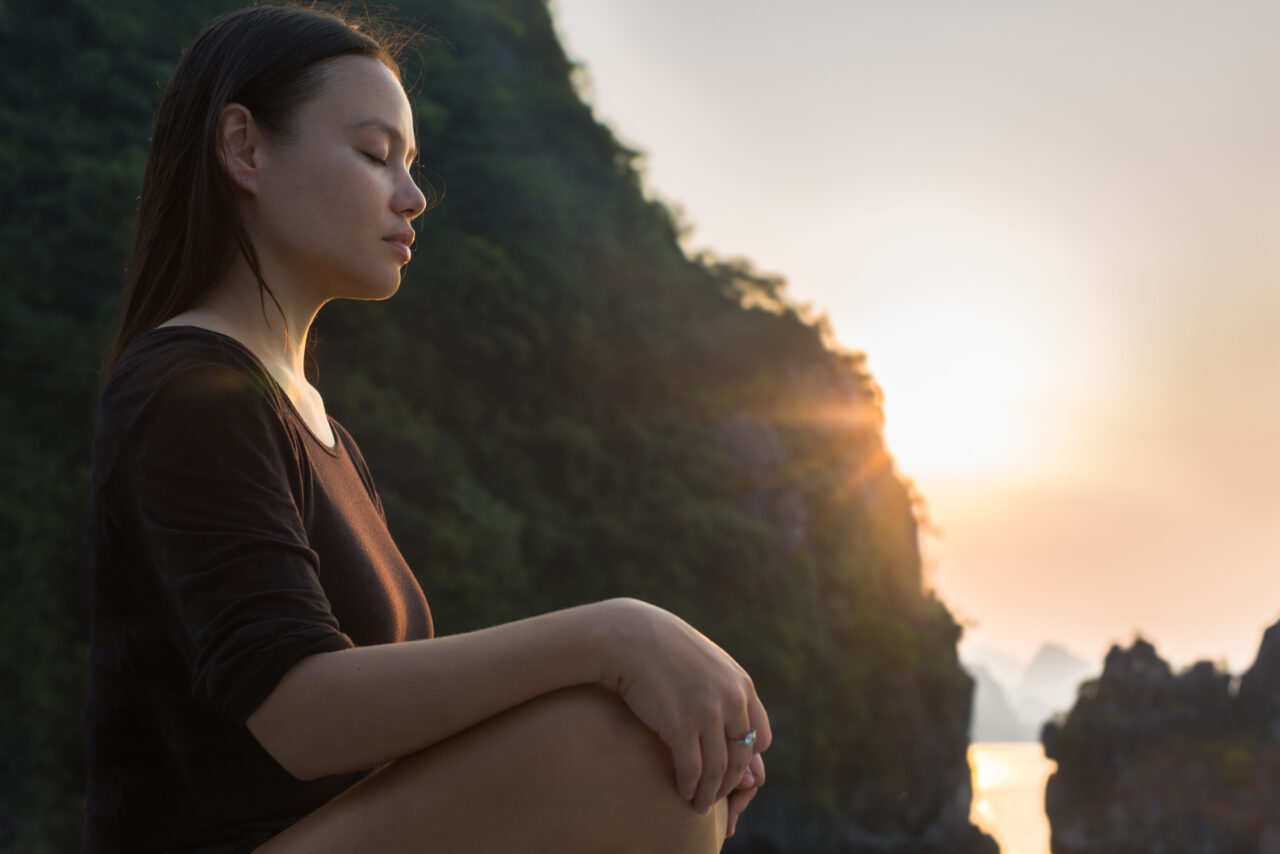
(968, 652)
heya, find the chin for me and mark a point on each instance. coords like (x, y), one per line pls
(373, 289)
(376, 294)
(389, 292)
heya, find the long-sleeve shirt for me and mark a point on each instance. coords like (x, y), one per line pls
(227, 542)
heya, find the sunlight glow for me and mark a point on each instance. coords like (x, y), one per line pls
(989, 771)
(972, 336)
(1008, 795)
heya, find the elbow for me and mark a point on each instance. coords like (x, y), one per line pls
(279, 725)
(303, 773)
(276, 741)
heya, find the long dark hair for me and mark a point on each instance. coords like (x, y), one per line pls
(268, 59)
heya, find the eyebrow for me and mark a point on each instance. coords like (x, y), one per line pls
(390, 131)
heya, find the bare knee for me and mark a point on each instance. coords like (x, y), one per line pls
(572, 771)
(606, 734)
(630, 761)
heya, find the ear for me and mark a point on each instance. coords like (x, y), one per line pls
(240, 147)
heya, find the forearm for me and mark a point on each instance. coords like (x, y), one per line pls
(358, 708)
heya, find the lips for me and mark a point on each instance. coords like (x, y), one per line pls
(401, 242)
(406, 237)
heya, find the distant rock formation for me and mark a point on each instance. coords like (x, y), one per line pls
(1149, 760)
(1049, 684)
(1012, 699)
(994, 719)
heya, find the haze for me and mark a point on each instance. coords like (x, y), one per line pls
(1052, 228)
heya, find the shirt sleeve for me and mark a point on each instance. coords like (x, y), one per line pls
(217, 480)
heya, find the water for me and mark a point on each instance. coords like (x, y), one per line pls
(1008, 795)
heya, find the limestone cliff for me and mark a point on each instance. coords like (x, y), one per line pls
(1149, 760)
(812, 466)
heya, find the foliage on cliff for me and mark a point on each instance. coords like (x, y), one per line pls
(1149, 760)
(560, 405)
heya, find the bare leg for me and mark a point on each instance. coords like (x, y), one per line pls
(572, 772)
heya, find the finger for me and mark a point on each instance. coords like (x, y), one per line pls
(754, 775)
(687, 758)
(739, 757)
(760, 721)
(715, 760)
(737, 803)
(756, 767)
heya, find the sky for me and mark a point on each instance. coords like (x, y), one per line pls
(1054, 229)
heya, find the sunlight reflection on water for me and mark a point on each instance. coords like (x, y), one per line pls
(1008, 795)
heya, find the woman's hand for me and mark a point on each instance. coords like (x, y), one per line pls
(745, 791)
(692, 694)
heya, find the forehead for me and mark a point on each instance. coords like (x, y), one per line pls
(357, 88)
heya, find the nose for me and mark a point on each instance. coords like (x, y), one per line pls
(409, 199)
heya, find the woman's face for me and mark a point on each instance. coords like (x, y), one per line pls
(334, 201)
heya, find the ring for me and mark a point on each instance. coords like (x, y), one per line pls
(749, 738)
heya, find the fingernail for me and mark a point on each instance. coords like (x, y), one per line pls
(705, 810)
(749, 778)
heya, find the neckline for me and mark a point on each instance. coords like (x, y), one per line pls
(332, 450)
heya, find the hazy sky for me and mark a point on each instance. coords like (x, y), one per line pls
(1054, 227)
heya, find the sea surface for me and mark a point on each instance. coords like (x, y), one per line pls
(1008, 795)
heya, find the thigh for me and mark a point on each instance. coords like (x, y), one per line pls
(571, 771)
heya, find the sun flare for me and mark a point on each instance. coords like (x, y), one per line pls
(970, 338)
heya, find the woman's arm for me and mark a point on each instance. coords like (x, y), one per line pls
(357, 708)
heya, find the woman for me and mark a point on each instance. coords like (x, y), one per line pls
(263, 672)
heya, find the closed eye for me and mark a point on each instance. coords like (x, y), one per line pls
(377, 160)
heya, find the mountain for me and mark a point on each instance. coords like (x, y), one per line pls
(1004, 668)
(1048, 685)
(994, 719)
(1012, 699)
(1152, 760)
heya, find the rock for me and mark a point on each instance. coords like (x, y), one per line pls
(1259, 695)
(1149, 761)
(759, 450)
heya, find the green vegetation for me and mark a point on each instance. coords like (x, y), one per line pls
(543, 405)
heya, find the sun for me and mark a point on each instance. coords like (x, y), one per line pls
(957, 384)
(966, 328)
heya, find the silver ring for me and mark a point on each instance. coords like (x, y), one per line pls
(749, 738)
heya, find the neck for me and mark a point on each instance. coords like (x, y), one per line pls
(277, 336)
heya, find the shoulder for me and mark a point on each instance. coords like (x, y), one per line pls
(195, 381)
(158, 356)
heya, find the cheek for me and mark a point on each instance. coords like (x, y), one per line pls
(324, 210)
(336, 191)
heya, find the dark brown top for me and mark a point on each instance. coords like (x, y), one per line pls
(226, 544)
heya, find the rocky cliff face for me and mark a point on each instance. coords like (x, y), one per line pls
(1149, 760)
(1258, 702)
(901, 784)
